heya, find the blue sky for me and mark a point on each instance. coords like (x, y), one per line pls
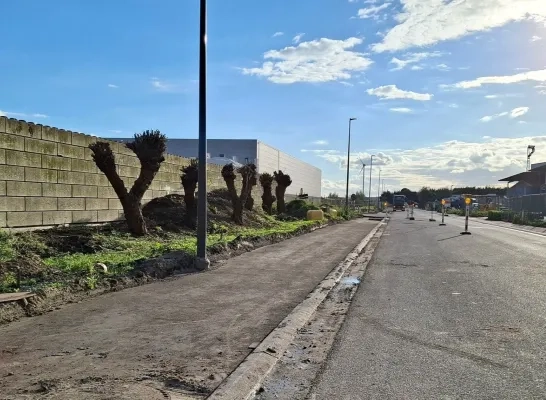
(444, 92)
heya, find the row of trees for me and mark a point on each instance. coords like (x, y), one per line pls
(150, 147)
(427, 194)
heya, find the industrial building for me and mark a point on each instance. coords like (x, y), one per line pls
(529, 182)
(305, 177)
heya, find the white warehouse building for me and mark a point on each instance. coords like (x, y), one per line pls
(304, 176)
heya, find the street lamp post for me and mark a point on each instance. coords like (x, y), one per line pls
(363, 183)
(378, 189)
(370, 184)
(202, 262)
(348, 167)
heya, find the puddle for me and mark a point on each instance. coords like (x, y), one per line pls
(350, 280)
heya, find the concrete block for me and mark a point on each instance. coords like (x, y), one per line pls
(96, 180)
(23, 219)
(23, 128)
(114, 204)
(70, 151)
(3, 216)
(96, 204)
(168, 186)
(84, 191)
(83, 217)
(56, 135)
(73, 178)
(21, 188)
(82, 165)
(3, 121)
(131, 172)
(2, 156)
(40, 203)
(106, 192)
(3, 188)
(73, 203)
(40, 175)
(126, 160)
(122, 149)
(107, 215)
(8, 203)
(12, 173)
(12, 142)
(56, 190)
(22, 158)
(81, 140)
(148, 195)
(56, 162)
(40, 146)
(56, 217)
(88, 154)
(159, 193)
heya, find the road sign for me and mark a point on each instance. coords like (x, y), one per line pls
(443, 202)
(468, 200)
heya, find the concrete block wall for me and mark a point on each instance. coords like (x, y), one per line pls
(48, 177)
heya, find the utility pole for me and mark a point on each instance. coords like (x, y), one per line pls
(378, 189)
(363, 170)
(201, 261)
(348, 167)
(370, 184)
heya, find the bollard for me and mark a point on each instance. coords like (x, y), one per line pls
(467, 214)
(443, 215)
(431, 219)
(411, 213)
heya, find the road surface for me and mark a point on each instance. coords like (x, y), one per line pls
(444, 316)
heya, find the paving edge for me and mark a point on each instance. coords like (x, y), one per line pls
(247, 378)
(517, 228)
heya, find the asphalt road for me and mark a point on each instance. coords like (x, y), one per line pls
(444, 316)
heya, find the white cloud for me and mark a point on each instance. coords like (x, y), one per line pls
(515, 113)
(320, 142)
(371, 12)
(114, 131)
(412, 58)
(427, 22)
(518, 112)
(535, 38)
(416, 68)
(442, 67)
(277, 34)
(13, 114)
(403, 110)
(536, 76)
(475, 163)
(390, 92)
(296, 39)
(320, 60)
(111, 85)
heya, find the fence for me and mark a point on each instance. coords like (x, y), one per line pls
(533, 203)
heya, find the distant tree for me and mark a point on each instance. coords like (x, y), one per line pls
(266, 181)
(386, 196)
(189, 179)
(149, 147)
(283, 181)
(333, 195)
(238, 201)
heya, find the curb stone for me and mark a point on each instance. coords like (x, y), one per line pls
(245, 380)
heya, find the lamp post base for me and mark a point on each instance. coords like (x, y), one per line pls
(202, 264)
(432, 220)
(466, 233)
(442, 224)
(412, 218)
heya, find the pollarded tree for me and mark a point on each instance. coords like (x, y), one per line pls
(266, 181)
(283, 181)
(189, 178)
(149, 147)
(247, 172)
(253, 181)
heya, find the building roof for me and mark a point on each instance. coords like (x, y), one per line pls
(532, 177)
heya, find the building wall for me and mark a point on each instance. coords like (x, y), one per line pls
(49, 178)
(237, 149)
(304, 176)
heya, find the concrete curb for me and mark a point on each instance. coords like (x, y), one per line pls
(519, 228)
(246, 379)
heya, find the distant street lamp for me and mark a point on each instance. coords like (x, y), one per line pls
(370, 184)
(202, 262)
(378, 188)
(348, 166)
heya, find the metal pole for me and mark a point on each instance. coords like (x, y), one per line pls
(432, 212)
(348, 165)
(363, 183)
(443, 214)
(202, 262)
(370, 184)
(467, 214)
(378, 190)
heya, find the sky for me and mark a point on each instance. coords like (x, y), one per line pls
(444, 92)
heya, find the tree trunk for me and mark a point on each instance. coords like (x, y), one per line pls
(249, 205)
(133, 215)
(236, 202)
(191, 210)
(281, 205)
(267, 200)
(238, 212)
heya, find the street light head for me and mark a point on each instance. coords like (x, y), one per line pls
(352, 119)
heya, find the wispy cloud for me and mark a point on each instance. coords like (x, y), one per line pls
(114, 131)
(320, 142)
(296, 39)
(412, 58)
(277, 34)
(372, 12)
(535, 76)
(111, 85)
(403, 110)
(14, 114)
(164, 86)
(535, 38)
(515, 113)
(391, 92)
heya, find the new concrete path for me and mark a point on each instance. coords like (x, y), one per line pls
(184, 333)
